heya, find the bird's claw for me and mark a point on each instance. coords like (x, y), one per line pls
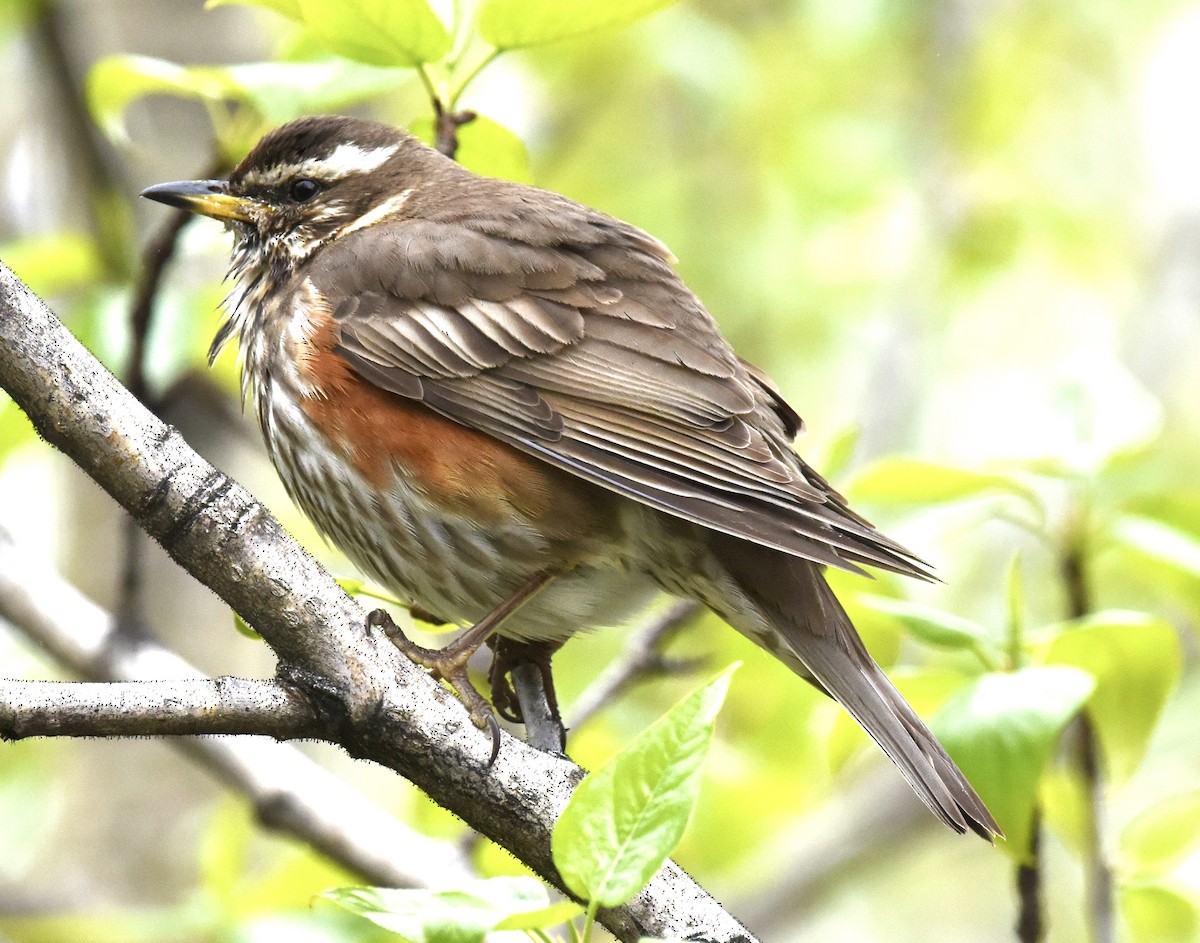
(448, 664)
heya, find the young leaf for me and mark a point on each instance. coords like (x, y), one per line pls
(378, 32)
(1160, 541)
(624, 819)
(460, 915)
(281, 91)
(510, 24)
(930, 625)
(839, 452)
(1162, 836)
(910, 481)
(350, 586)
(1001, 730)
(543, 918)
(1136, 661)
(245, 628)
(116, 81)
(1157, 913)
(1066, 804)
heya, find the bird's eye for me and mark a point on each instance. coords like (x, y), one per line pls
(303, 190)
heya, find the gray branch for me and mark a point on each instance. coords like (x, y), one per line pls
(376, 703)
(289, 792)
(154, 708)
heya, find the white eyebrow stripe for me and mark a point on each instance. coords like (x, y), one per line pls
(350, 159)
(343, 160)
(389, 207)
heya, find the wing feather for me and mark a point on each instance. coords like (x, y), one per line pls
(570, 337)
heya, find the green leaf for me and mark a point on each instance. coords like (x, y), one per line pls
(116, 81)
(484, 147)
(244, 628)
(624, 819)
(1136, 662)
(910, 481)
(930, 625)
(543, 918)
(378, 32)
(55, 262)
(289, 8)
(1160, 541)
(1162, 836)
(1002, 729)
(509, 24)
(1157, 913)
(281, 91)
(463, 914)
(1066, 805)
(839, 452)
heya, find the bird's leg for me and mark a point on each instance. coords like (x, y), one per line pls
(450, 663)
(530, 698)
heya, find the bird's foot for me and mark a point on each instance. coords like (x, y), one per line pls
(523, 691)
(450, 665)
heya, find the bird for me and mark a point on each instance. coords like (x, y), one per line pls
(509, 409)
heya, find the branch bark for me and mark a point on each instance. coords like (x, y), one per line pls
(377, 705)
(289, 792)
(167, 708)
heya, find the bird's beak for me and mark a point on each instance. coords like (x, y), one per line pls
(207, 197)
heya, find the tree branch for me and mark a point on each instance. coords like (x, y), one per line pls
(155, 708)
(290, 793)
(381, 706)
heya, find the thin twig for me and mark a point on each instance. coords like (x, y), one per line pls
(1101, 914)
(1031, 924)
(98, 165)
(446, 125)
(156, 258)
(641, 658)
(829, 849)
(1100, 872)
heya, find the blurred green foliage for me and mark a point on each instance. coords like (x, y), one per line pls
(938, 226)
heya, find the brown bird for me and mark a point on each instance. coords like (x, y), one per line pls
(509, 409)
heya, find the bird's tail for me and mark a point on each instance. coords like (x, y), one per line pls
(788, 598)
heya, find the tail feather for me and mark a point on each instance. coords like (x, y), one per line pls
(789, 600)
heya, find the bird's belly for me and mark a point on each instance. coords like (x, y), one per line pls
(442, 558)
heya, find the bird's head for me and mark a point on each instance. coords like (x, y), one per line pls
(306, 183)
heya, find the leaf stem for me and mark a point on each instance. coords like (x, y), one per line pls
(470, 77)
(980, 651)
(427, 81)
(589, 921)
